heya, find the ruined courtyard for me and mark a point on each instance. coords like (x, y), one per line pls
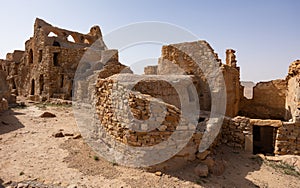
(53, 73)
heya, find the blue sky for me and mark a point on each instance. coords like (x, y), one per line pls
(265, 34)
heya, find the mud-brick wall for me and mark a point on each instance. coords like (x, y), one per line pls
(288, 139)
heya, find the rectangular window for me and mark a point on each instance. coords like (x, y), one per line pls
(62, 81)
(40, 55)
(55, 59)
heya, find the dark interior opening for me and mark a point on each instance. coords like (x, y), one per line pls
(14, 84)
(264, 140)
(55, 58)
(40, 55)
(62, 81)
(30, 56)
(55, 43)
(71, 91)
(32, 87)
(41, 81)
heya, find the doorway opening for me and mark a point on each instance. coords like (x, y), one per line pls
(264, 139)
(32, 87)
(41, 81)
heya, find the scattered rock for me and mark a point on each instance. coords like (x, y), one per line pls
(77, 136)
(201, 170)
(7, 182)
(293, 161)
(22, 185)
(209, 161)
(158, 173)
(218, 168)
(4, 123)
(203, 155)
(72, 186)
(47, 115)
(58, 135)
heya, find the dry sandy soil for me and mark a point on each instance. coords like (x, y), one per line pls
(30, 154)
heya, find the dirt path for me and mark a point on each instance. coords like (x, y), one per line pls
(28, 151)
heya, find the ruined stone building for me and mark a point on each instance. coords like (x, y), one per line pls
(268, 123)
(47, 66)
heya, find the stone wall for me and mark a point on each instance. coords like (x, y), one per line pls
(232, 82)
(268, 101)
(4, 92)
(293, 91)
(178, 59)
(288, 139)
(150, 70)
(144, 116)
(235, 130)
(238, 132)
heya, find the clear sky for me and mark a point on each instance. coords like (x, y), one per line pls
(265, 34)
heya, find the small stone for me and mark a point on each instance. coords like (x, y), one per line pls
(218, 168)
(7, 182)
(158, 173)
(4, 123)
(22, 185)
(210, 162)
(203, 155)
(162, 128)
(58, 135)
(77, 136)
(69, 134)
(72, 186)
(201, 170)
(47, 115)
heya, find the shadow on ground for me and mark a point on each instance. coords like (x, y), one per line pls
(238, 164)
(1, 183)
(8, 121)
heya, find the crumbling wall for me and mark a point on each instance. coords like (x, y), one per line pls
(16, 56)
(175, 59)
(148, 111)
(4, 91)
(151, 70)
(288, 139)
(293, 92)
(232, 82)
(47, 66)
(140, 107)
(268, 101)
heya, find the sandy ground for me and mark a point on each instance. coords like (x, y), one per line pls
(29, 152)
